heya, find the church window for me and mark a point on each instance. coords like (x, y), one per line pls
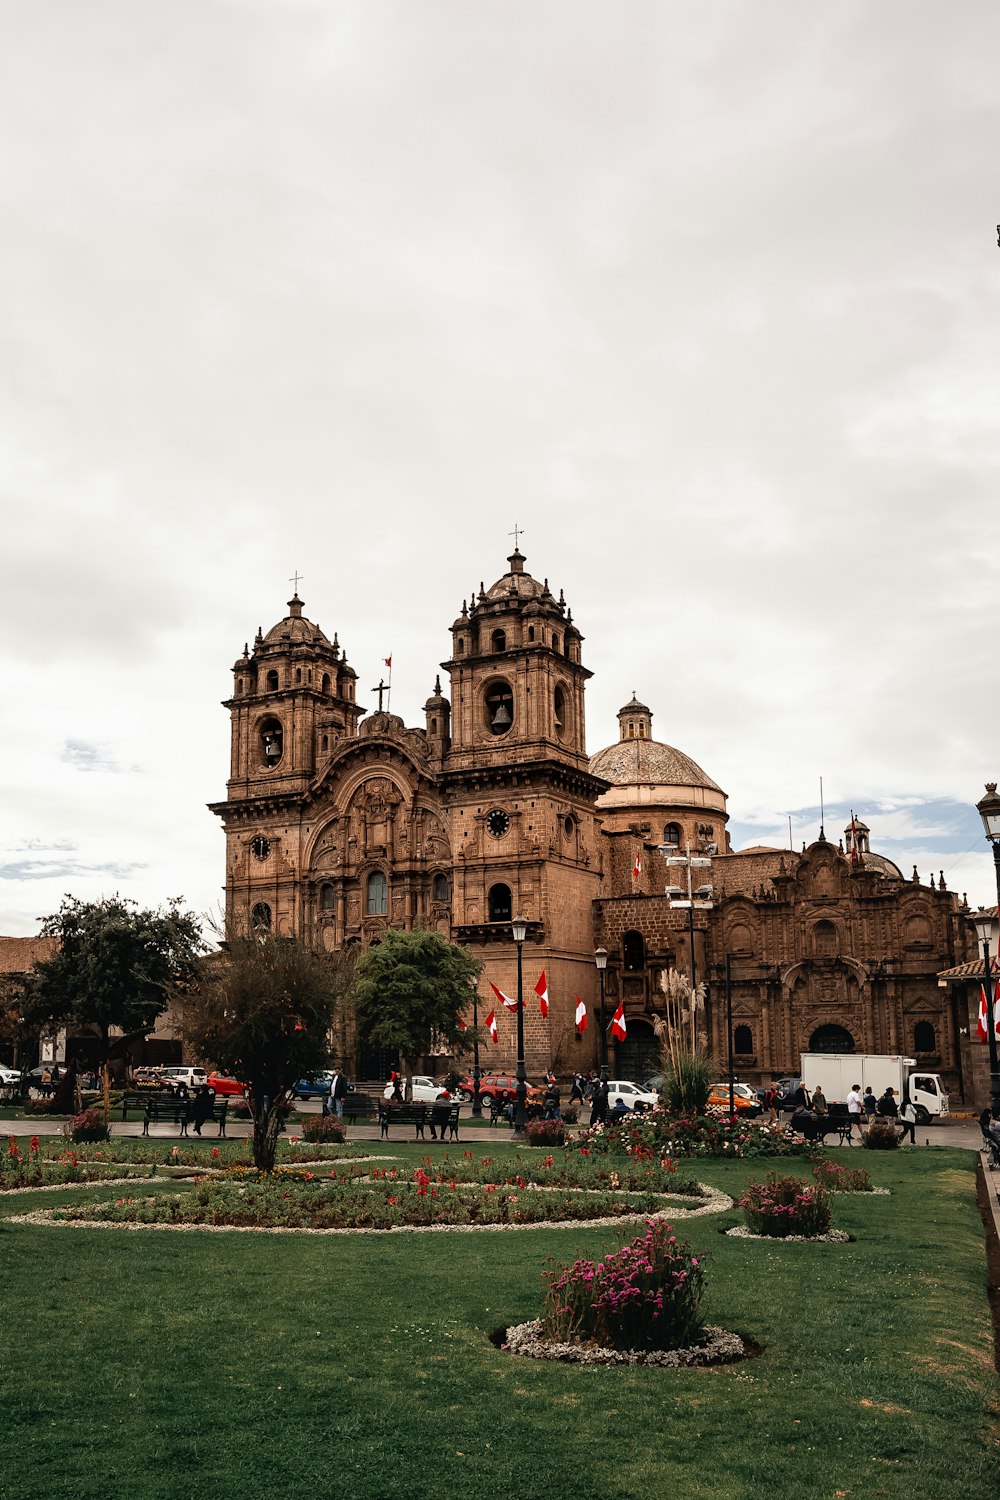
(499, 705)
(325, 742)
(378, 894)
(633, 951)
(825, 940)
(271, 741)
(555, 640)
(498, 641)
(298, 674)
(439, 890)
(326, 897)
(260, 917)
(461, 647)
(924, 1039)
(326, 682)
(272, 682)
(743, 1040)
(531, 632)
(568, 826)
(672, 834)
(434, 726)
(631, 730)
(642, 731)
(239, 688)
(559, 705)
(500, 907)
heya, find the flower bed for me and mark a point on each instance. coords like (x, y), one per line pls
(837, 1179)
(544, 1133)
(661, 1134)
(647, 1295)
(324, 1128)
(785, 1206)
(32, 1168)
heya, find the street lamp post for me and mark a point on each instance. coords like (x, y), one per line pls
(477, 1103)
(729, 1028)
(519, 927)
(989, 810)
(601, 960)
(700, 898)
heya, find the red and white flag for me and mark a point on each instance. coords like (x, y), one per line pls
(504, 999)
(581, 1017)
(981, 1022)
(491, 1026)
(618, 1022)
(637, 867)
(388, 662)
(462, 1025)
(542, 991)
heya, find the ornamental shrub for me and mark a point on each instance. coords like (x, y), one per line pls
(784, 1206)
(544, 1133)
(663, 1134)
(90, 1125)
(838, 1179)
(324, 1128)
(647, 1295)
(881, 1136)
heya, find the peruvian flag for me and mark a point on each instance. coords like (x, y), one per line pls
(462, 1026)
(581, 1017)
(388, 662)
(542, 991)
(491, 1026)
(981, 1022)
(637, 867)
(504, 999)
(618, 1022)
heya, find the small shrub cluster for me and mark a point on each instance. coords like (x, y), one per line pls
(570, 1114)
(784, 1206)
(647, 1295)
(838, 1179)
(90, 1125)
(881, 1136)
(327, 1129)
(661, 1134)
(544, 1133)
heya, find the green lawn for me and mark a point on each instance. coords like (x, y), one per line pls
(244, 1365)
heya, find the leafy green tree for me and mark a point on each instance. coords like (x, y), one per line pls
(410, 992)
(115, 967)
(263, 1014)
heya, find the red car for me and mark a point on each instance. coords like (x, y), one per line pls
(500, 1086)
(223, 1085)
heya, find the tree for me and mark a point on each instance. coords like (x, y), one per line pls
(411, 990)
(263, 1014)
(115, 966)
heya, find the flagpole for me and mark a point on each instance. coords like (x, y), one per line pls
(477, 1103)
(519, 928)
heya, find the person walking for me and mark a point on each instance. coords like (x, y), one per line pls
(576, 1094)
(855, 1108)
(886, 1105)
(801, 1096)
(869, 1102)
(599, 1103)
(771, 1103)
(908, 1118)
(819, 1104)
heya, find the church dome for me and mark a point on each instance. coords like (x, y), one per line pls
(295, 629)
(515, 583)
(883, 866)
(648, 763)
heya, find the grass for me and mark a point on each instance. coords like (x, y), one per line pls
(154, 1365)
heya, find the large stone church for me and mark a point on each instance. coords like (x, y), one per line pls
(341, 823)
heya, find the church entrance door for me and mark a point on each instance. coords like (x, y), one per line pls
(638, 1056)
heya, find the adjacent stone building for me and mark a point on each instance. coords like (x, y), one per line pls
(340, 824)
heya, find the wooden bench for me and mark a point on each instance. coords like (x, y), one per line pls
(439, 1116)
(358, 1106)
(158, 1108)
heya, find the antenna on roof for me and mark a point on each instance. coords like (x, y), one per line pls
(822, 811)
(790, 844)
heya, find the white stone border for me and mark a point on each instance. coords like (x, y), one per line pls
(832, 1237)
(718, 1347)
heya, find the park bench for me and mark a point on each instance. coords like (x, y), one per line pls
(443, 1117)
(838, 1118)
(160, 1108)
(358, 1106)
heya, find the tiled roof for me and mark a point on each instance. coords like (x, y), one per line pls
(17, 954)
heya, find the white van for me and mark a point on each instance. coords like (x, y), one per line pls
(171, 1079)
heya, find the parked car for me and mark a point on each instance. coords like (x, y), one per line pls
(501, 1087)
(171, 1079)
(222, 1084)
(632, 1094)
(786, 1092)
(744, 1098)
(312, 1088)
(425, 1090)
(9, 1077)
(146, 1078)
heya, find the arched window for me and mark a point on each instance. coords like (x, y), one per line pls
(831, 1039)
(498, 641)
(377, 904)
(500, 907)
(559, 708)
(434, 726)
(461, 647)
(325, 684)
(531, 632)
(272, 682)
(271, 741)
(555, 640)
(672, 834)
(298, 674)
(825, 940)
(260, 917)
(633, 950)
(239, 688)
(439, 890)
(499, 704)
(743, 1040)
(326, 898)
(924, 1038)
(325, 742)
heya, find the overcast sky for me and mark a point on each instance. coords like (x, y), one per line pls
(705, 297)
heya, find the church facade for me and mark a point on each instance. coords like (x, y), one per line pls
(341, 823)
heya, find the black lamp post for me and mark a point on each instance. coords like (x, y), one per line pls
(601, 960)
(519, 927)
(477, 1103)
(729, 1028)
(989, 810)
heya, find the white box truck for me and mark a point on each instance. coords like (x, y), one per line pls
(836, 1072)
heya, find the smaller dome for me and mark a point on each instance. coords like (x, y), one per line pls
(515, 584)
(648, 763)
(295, 629)
(635, 707)
(882, 866)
